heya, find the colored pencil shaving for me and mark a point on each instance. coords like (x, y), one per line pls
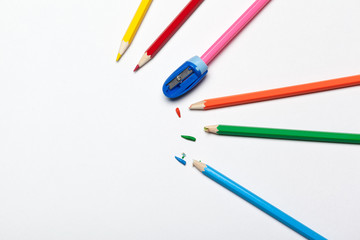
(180, 160)
(188, 138)
(177, 110)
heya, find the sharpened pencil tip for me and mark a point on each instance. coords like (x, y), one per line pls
(211, 129)
(136, 68)
(118, 57)
(197, 106)
(199, 165)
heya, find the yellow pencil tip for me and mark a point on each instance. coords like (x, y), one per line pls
(118, 57)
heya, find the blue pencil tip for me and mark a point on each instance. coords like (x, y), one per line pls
(182, 161)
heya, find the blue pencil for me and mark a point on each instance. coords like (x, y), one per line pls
(257, 201)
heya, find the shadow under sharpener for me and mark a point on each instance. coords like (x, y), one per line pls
(185, 78)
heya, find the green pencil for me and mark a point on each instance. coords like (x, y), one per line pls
(284, 134)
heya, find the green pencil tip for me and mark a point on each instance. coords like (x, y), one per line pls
(191, 138)
(206, 129)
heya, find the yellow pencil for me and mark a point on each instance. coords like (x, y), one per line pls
(133, 27)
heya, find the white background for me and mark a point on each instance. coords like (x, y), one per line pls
(87, 146)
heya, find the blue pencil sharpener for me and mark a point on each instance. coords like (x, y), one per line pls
(185, 78)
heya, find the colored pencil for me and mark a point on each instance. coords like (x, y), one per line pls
(257, 201)
(133, 27)
(234, 29)
(165, 36)
(276, 93)
(275, 133)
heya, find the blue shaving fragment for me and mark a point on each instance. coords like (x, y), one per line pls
(182, 161)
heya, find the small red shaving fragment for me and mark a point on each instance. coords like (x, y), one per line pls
(178, 112)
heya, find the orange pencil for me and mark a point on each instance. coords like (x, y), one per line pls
(276, 93)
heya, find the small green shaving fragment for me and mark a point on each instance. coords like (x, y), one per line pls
(183, 155)
(189, 138)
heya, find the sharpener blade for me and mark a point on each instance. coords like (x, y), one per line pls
(180, 78)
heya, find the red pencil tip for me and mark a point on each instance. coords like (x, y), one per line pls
(136, 68)
(178, 112)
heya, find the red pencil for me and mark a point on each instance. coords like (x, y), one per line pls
(168, 32)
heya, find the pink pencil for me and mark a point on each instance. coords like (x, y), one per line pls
(187, 76)
(237, 26)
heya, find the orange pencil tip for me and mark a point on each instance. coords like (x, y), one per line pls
(136, 68)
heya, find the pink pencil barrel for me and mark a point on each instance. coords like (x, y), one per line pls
(237, 26)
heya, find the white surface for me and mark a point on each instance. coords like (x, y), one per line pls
(87, 147)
